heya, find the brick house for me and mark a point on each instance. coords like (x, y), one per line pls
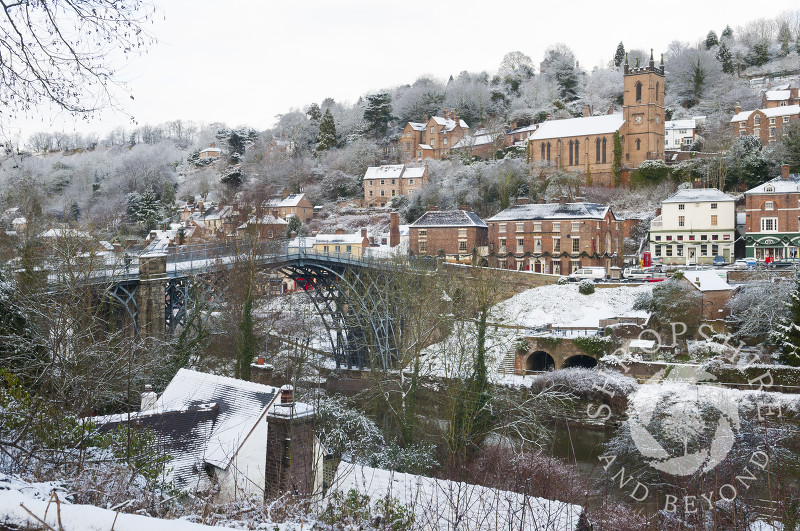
(781, 96)
(771, 223)
(694, 226)
(769, 124)
(586, 144)
(432, 138)
(457, 235)
(269, 227)
(382, 183)
(289, 204)
(557, 237)
(715, 290)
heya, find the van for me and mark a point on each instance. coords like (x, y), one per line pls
(592, 273)
(636, 274)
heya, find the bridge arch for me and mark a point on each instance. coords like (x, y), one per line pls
(539, 361)
(581, 360)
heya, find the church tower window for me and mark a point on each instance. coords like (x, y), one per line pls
(638, 91)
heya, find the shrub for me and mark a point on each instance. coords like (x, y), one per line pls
(586, 287)
(563, 281)
(596, 346)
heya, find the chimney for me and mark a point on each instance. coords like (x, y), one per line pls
(579, 199)
(394, 229)
(287, 394)
(339, 231)
(465, 208)
(432, 208)
(610, 109)
(201, 206)
(658, 211)
(737, 108)
(363, 232)
(275, 213)
(286, 193)
(523, 201)
(785, 172)
(212, 144)
(149, 398)
(586, 111)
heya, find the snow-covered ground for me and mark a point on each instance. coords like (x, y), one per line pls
(564, 306)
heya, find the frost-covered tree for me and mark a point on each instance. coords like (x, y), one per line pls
(727, 33)
(711, 40)
(790, 145)
(758, 308)
(326, 138)
(314, 113)
(560, 61)
(692, 72)
(378, 113)
(784, 38)
(149, 210)
(424, 97)
(619, 55)
(516, 63)
(787, 332)
(725, 57)
(603, 89)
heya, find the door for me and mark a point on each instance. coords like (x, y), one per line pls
(692, 254)
(537, 267)
(556, 268)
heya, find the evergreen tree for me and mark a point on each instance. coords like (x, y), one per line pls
(168, 198)
(619, 56)
(295, 225)
(791, 147)
(314, 114)
(727, 33)
(149, 208)
(711, 40)
(784, 36)
(378, 113)
(787, 333)
(759, 54)
(326, 138)
(725, 57)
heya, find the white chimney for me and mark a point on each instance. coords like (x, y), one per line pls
(149, 398)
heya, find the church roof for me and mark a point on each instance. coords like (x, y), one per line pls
(589, 125)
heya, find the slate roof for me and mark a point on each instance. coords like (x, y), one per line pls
(536, 211)
(773, 112)
(680, 124)
(290, 200)
(449, 124)
(778, 95)
(779, 186)
(387, 171)
(349, 239)
(449, 218)
(200, 418)
(589, 125)
(697, 195)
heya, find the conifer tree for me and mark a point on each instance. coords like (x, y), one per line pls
(784, 36)
(326, 138)
(725, 57)
(619, 56)
(727, 33)
(378, 113)
(711, 40)
(787, 334)
(149, 209)
(314, 114)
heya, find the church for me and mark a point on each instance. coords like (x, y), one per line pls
(586, 144)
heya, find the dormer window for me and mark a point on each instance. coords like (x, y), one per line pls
(769, 189)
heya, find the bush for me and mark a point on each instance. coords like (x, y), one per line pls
(586, 287)
(562, 281)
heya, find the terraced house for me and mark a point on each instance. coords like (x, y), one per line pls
(383, 183)
(693, 227)
(557, 237)
(772, 211)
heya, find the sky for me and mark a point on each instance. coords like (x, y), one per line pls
(244, 62)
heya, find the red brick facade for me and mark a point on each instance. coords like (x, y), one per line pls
(456, 235)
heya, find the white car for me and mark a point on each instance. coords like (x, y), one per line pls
(636, 274)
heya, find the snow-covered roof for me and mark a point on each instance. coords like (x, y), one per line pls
(448, 123)
(201, 418)
(416, 126)
(425, 146)
(680, 124)
(216, 212)
(290, 201)
(778, 185)
(708, 279)
(476, 140)
(697, 195)
(552, 211)
(531, 127)
(589, 125)
(778, 95)
(440, 503)
(348, 239)
(414, 172)
(387, 171)
(449, 218)
(211, 150)
(267, 219)
(773, 112)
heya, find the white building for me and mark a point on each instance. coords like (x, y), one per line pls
(695, 225)
(680, 134)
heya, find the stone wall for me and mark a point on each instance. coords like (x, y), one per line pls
(557, 348)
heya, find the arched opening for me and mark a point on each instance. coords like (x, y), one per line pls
(540, 361)
(638, 91)
(581, 360)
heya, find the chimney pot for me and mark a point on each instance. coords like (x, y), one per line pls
(465, 208)
(737, 108)
(586, 111)
(523, 201)
(363, 232)
(287, 394)
(610, 109)
(785, 172)
(339, 231)
(149, 398)
(432, 208)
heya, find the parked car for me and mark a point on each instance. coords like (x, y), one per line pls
(636, 274)
(592, 273)
(719, 261)
(745, 263)
(782, 264)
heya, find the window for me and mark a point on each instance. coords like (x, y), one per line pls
(669, 250)
(537, 226)
(537, 245)
(597, 150)
(769, 224)
(681, 221)
(548, 153)
(408, 146)
(269, 234)
(433, 142)
(704, 250)
(680, 237)
(769, 205)
(576, 245)
(423, 233)
(462, 233)
(501, 227)
(521, 227)
(338, 248)
(714, 237)
(393, 181)
(371, 182)
(370, 193)
(691, 237)
(757, 120)
(444, 141)
(714, 249)
(577, 157)
(431, 129)
(423, 247)
(669, 238)
(520, 244)
(658, 238)
(679, 250)
(703, 237)
(681, 207)
(576, 226)
(658, 250)
(604, 149)
(638, 144)
(502, 245)
(771, 131)
(411, 181)
(783, 104)
(556, 226)
(462, 246)
(501, 264)
(714, 220)
(772, 121)
(741, 125)
(383, 193)
(543, 157)
(713, 206)
(757, 132)
(556, 245)
(786, 119)
(383, 182)
(325, 248)
(570, 154)
(638, 91)
(769, 189)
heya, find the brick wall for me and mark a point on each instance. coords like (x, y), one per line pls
(447, 238)
(290, 454)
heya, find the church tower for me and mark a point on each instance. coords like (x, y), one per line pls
(643, 110)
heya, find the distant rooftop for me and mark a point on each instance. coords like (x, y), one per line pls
(535, 211)
(589, 125)
(696, 195)
(449, 218)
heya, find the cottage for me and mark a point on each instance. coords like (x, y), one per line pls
(289, 204)
(716, 292)
(557, 237)
(693, 227)
(455, 235)
(767, 124)
(681, 134)
(383, 183)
